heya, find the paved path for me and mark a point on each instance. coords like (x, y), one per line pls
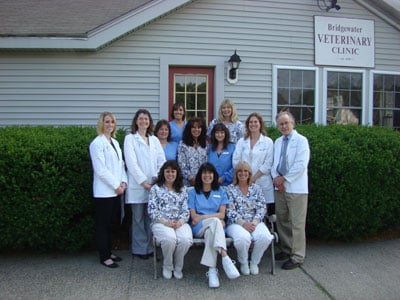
(369, 270)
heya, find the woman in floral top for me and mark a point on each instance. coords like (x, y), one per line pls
(228, 116)
(246, 211)
(192, 150)
(169, 212)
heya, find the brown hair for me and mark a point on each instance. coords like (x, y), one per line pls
(219, 127)
(260, 120)
(175, 107)
(159, 125)
(134, 127)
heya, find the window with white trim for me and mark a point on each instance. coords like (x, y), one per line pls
(296, 92)
(344, 97)
(386, 105)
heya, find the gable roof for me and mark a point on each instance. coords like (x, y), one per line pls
(75, 24)
(92, 24)
(73, 18)
(388, 10)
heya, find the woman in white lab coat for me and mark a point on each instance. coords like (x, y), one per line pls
(109, 183)
(144, 157)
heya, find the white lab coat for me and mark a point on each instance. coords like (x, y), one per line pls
(143, 162)
(298, 155)
(108, 167)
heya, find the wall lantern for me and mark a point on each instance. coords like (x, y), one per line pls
(232, 72)
(327, 5)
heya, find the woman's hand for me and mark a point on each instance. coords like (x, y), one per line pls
(177, 224)
(146, 185)
(170, 223)
(196, 219)
(121, 189)
(249, 226)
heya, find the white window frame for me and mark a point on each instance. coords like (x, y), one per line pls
(371, 92)
(364, 110)
(275, 70)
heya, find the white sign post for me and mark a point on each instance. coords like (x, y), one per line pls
(344, 42)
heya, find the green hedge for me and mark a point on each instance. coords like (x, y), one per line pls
(45, 188)
(46, 182)
(354, 180)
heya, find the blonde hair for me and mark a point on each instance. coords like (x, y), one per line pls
(234, 116)
(242, 165)
(100, 123)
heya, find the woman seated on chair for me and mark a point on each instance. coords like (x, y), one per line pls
(168, 209)
(246, 211)
(207, 204)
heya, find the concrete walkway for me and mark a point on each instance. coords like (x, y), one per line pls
(368, 270)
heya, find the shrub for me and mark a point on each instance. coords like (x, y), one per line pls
(46, 188)
(46, 184)
(354, 176)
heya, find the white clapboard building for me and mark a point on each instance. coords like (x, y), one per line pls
(65, 62)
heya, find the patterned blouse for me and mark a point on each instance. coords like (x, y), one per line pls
(168, 205)
(236, 130)
(245, 207)
(190, 160)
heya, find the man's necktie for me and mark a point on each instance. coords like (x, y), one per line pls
(282, 168)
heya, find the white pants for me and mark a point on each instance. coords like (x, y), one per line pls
(242, 239)
(214, 239)
(175, 243)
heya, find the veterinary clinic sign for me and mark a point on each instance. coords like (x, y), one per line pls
(344, 42)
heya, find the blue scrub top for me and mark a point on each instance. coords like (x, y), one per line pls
(223, 163)
(171, 150)
(176, 131)
(204, 206)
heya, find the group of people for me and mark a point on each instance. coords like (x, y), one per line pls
(185, 181)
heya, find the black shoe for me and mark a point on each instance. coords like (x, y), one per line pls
(115, 258)
(112, 266)
(151, 254)
(290, 265)
(282, 256)
(142, 256)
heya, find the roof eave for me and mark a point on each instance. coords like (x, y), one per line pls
(98, 37)
(383, 10)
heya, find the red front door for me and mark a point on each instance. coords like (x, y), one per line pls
(194, 87)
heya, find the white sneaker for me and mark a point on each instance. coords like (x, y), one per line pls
(253, 269)
(244, 269)
(229, 268)
(167, 274)
(178, 274)
(213, 281)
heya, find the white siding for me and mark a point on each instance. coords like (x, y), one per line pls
(73, 88)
